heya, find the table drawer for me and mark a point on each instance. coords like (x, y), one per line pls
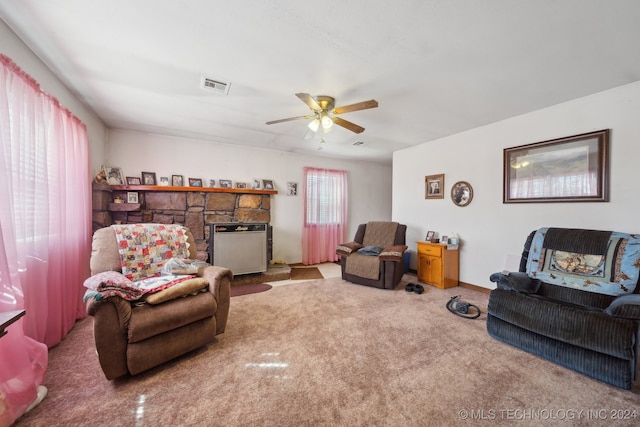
(430, 249)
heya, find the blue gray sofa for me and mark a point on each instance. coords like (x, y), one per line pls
(574, 301)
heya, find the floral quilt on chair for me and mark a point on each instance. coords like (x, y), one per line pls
(144, 248)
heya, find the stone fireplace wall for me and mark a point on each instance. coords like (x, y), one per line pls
(193, 209)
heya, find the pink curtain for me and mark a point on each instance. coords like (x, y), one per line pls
(325, 214)
(45, 231)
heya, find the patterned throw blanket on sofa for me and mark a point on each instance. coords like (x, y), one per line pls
(596, 261)
(144, 248)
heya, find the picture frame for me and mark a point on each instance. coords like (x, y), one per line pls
(434, 186)
(148, 178)
(255, 184)
(195, 182)
(267, 184)
(292, 188)
(177, 180)
(444, 239)
(132, 197)
(164, 181)
(461, 193)
(241, 185)
(113, 175)
(225, 183)
(569, 169)
(430, 236)
(133, 180)
(212, 183)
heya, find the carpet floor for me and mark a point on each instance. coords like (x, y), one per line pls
(331, 353)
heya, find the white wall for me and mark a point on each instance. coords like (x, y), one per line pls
(493, 233)
(14, 48)
(369, 183)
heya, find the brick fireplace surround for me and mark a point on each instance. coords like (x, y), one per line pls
(194, 207)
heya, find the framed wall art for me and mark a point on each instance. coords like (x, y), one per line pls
(434, 186)
(133, 180)
(292, 188)
(570, 169)
(177, 180)
(114, 175)
(195, 182)
(149, 178)
(461, 193)
(132, 197)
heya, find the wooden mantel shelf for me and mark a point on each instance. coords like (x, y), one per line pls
(196, 189)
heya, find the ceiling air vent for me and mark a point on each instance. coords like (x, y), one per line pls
(213, 85)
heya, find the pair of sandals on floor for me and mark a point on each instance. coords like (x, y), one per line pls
(414, 287)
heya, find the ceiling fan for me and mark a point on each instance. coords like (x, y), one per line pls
(324, 114)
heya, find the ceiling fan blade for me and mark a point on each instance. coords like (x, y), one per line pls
(364, 105)
(272, 122)
(348, 125)
(308, 99)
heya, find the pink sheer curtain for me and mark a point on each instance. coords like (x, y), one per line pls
(325, 214)
(45, 231)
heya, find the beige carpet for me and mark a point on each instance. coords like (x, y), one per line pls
(332, 353)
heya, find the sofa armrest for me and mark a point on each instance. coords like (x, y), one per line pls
(345, 249)
(516, 282)
(110, 330)
(393, 253)
(625, 306)
(219, 285)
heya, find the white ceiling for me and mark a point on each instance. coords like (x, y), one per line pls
(436, 67)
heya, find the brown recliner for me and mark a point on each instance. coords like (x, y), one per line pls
(375, 257)
(132, 337)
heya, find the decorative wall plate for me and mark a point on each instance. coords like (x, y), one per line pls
(461, 193)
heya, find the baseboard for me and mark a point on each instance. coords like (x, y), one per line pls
(462, 284)
(474, 287)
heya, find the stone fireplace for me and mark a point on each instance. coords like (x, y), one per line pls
(193, 207)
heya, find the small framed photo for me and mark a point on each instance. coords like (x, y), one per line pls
(241, 185)
(434, 186)
(292, 188)
(212, 183)
(430, 236)
(195, 182)
(177, 180)
(133, 180)
(132, 197)
(255, 184)
(444, 239)
(114, 175)
(267, 184)
(225, 183)
(164, 181)
(149, 178)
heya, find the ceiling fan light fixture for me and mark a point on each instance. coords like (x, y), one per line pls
(314, 125)
(326, 120)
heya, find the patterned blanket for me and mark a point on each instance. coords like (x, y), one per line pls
(611, 268)
(144, 248)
